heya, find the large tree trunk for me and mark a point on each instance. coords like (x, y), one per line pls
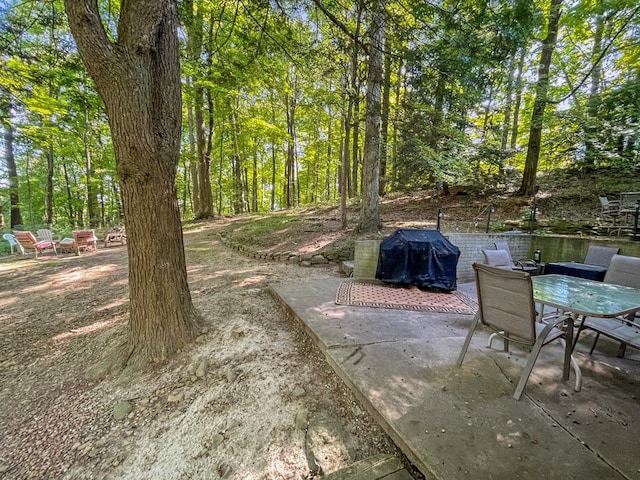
(370, 212)
(139, 80)
(540, 102)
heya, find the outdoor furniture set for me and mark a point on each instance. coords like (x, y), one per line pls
(627, 207)
(82, 240)
(512, 302)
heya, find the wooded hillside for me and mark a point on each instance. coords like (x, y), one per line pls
(291, 103)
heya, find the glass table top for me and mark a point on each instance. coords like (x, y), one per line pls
(585, 297)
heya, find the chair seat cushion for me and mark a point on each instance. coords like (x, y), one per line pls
(44, 244)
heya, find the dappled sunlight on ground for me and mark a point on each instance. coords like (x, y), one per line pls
(93, 328)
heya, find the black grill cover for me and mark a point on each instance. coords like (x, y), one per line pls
(418, 257)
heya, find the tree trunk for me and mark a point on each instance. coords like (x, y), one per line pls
(290, 173)
(49, 191)
(370, 212)
(518, 100)
(590, 154)
(351, 176)
(540, 102)
(508, 106)
(92, 193)
(238, 181)
(12, 172)
(343, 174)
(384, 124)
(274, 164)
(139, 80)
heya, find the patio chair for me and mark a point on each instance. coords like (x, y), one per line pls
(30, 243)
(609, 208)
(600, 255)
(13, 243)
(46, 234)
(115, 235)
(623, 270)
(84, 240)
(498, 258)
(506, 305)
(529, 266)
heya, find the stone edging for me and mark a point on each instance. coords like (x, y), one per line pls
(303, 259)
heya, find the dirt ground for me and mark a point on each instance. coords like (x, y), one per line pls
(232, 406)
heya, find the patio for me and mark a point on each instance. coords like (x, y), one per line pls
(462, 422)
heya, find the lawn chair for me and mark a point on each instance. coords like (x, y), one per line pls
(599, 255)
(13, 243)
(84, 240)
(505, 300)
(623, 270)
(609, 208)
(529, 266)
(46, 234)
(115, 235)
(30, 243)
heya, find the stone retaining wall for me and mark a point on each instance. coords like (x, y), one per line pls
(522, 246)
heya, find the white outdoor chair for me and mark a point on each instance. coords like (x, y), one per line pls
(46, 234)
(13, 243)
(506, 305)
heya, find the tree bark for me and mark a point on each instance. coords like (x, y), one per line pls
(138, 77)
(370, 212)
(540, 102)
(384, 124)
(590, 154)
(12, 172)
(518, 100)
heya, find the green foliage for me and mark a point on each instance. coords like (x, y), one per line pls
(452, 99)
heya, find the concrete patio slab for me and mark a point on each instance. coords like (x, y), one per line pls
(462, 422)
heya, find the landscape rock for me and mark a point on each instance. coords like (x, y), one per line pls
(122, 409)
(329, 447)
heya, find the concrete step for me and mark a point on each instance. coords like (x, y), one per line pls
(346, 267)
(378, 467)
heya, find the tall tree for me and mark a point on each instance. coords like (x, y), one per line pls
(370, 212)
(10, 161)
(138, 77)
(540, 102)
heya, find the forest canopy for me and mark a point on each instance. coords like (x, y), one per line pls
(275, 101)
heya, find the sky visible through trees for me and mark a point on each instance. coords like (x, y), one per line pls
(274, 102)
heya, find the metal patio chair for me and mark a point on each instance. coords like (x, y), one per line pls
(506, 305)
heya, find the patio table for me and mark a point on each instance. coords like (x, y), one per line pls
(575, 269)
(581, 296)
(587, 298)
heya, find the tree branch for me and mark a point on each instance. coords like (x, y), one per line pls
(604, 51)
(90, 36)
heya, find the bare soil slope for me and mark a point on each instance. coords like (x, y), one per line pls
(234, 405)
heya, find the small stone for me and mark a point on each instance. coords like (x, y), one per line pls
(231, 376)
(216, 440)
(224, 471)
(122, 409)
(302, 420)
(202, 369)
(175, 397)
(298, 392)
